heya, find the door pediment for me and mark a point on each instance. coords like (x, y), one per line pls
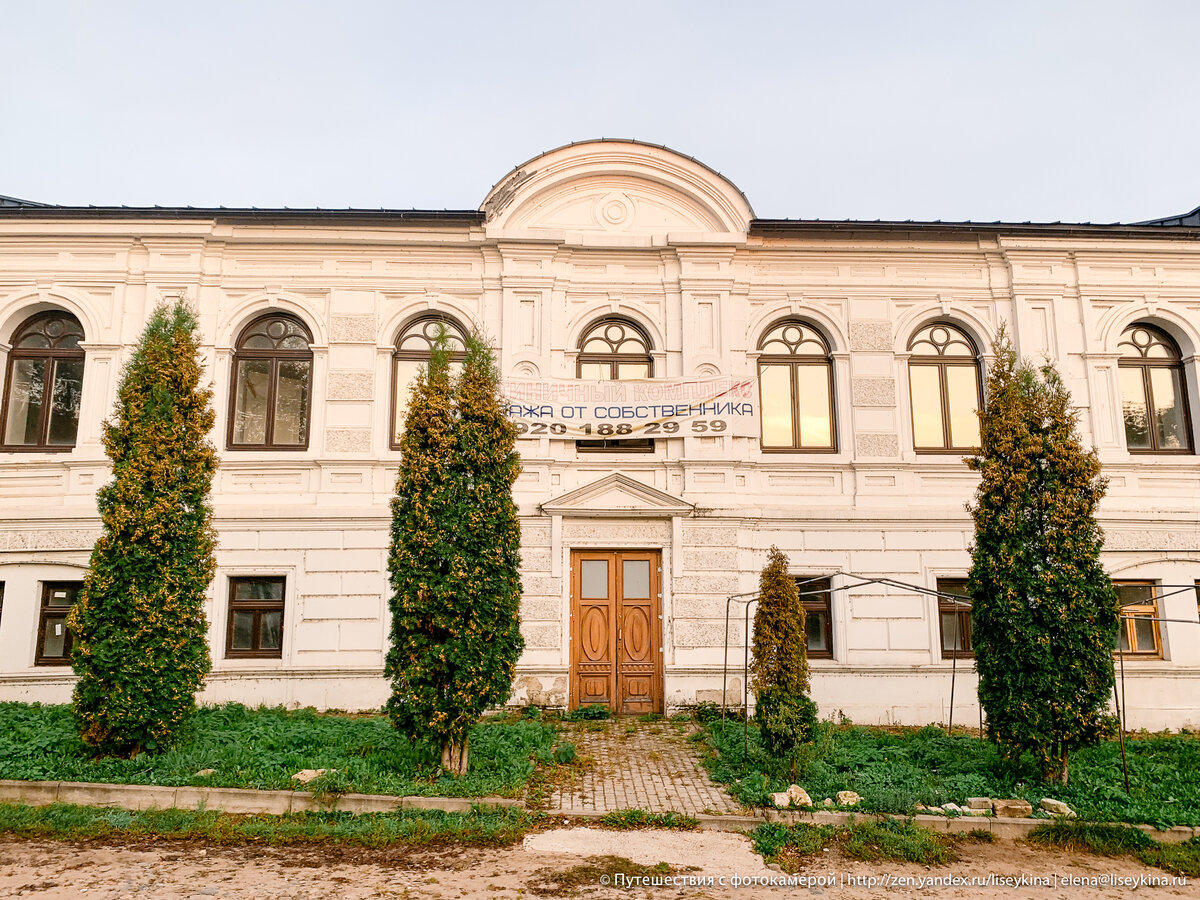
(617, 496)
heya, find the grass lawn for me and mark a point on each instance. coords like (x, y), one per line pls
(262, 748)
(895, 769)
(493, 827)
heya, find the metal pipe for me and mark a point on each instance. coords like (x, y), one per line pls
(1120, 721)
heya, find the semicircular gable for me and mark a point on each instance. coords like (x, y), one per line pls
(618, 188)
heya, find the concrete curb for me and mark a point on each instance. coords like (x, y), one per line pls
(231, 800)
(243, 800)
(1010, 829)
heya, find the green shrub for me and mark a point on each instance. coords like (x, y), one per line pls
(141, 643)
(783, 710)
(1044, 613)
(785, 721)
(455, 554)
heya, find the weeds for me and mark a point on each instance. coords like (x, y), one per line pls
(891, 839)
(895, 769)
(480, 827)
(1120, 840)
(596, 870)
(262, 748)
(639, 818)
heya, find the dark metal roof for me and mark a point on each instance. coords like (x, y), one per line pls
(1187, 219)
(11, 207)
(1180, 227)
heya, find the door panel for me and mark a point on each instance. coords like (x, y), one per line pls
(616, 630)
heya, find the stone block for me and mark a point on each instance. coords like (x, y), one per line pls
(848, 798)
(370, 583)
(979, 803)
(799, 796)
(1056, 807)
(872, 391)
(876, 446)
(360, 635)
(31, 793)
(541, 636)
(347, 440)
(1012, 809)
(356, 329)
(709, 536)
(781, 799)
(365, 539)
(348, 385)
(818, 539)
(316, 636)
(343, 561)
(237, 800)
(300, 540)
(868, 334)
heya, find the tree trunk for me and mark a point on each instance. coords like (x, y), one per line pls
(454, 756)
(1057, 767)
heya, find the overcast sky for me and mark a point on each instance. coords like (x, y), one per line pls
(1079, 111)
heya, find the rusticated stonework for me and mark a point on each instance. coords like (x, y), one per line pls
(347, 440)
(870, 335)
(877, 445)
(351, 385)
(868, 390)
(353, 329)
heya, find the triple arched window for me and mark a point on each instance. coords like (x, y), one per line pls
(44, 384)
(615, 349)
(945, 389)
(795, 378)
(414, 343)
(1153, 392)
(272, 385)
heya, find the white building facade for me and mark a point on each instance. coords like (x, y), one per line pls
(868, 343)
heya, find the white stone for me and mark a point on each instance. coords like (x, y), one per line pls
(979, 803)
(848, 798)
(203, 772)
(304, 776)
(781, 800)
(1056, 807)
(799, 796)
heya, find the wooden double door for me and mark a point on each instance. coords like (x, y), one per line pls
(616, 630)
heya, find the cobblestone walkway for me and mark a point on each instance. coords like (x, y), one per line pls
(637, 765)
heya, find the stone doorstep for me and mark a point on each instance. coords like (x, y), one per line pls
(231, 800)
(243, 800)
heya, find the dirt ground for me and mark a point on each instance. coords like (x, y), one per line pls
(551, 864)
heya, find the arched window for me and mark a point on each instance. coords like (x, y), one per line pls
(1153, 396)
(943, 383)
(44, 384)
(795, 383)
(615, 349)
(272, 385)
(413, 346)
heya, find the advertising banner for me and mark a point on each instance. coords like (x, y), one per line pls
(569, 409)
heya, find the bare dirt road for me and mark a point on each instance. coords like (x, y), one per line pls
(562, 863)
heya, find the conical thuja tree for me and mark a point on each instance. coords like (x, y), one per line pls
(779, 671)
(1044, 613)
(140, 650)
(454, 557)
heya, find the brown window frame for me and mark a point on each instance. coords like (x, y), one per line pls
(1128, 623)
(811, 589)
(942, 363)
(49, 355)
(46, 611)
(257, 607)
(407, 330)
(949, 606)
(614, 360)
(1145, 365)
(794, 361)
(275, 357)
